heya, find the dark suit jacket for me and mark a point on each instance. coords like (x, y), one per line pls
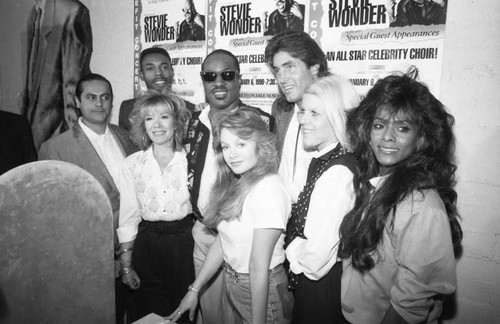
(16, 141)
(196, 144)
(73, 146)
(127, 106)
(282, 111)
(63, 58)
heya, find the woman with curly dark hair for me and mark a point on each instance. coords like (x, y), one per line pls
(397, 244)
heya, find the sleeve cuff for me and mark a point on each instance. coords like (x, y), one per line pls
(126, 234)
(292, 254)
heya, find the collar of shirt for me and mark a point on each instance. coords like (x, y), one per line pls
(204, 118)
(377, 181)
(204, 115)
(178, 158)
(93, 136)
(325, 150)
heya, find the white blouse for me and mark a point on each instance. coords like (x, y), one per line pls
(149, 193)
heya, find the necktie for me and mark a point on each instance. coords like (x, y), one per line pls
(297, 222)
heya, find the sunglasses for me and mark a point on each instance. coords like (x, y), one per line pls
(211, 76)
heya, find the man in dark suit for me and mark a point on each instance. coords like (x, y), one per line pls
(16, 141)
(96, 146)
(157, 73)
(222, 81)
(59, 50)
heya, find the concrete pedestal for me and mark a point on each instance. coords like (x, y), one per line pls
(56, 242)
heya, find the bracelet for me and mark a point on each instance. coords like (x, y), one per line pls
(191, 288)
(125, 263)
(125, 270)
(124, 251)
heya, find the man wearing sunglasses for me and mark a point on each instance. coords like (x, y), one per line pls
(157, 73)
(221, 80)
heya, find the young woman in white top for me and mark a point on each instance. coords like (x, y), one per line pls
(154, 230)
(249, 208)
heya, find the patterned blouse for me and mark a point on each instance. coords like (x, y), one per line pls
(149, 193)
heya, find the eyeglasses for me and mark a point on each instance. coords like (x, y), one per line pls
(211, 76)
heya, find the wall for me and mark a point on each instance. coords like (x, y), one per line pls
(470, 89)
(113, 54)
(112, 57)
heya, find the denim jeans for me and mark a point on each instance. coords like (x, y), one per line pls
(237, 302)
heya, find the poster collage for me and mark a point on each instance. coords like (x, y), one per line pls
(363, 40)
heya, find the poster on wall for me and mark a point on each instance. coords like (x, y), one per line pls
(366, 40)
(243, 28)
(179, 27)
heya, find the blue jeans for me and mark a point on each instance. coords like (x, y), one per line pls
(237, 302)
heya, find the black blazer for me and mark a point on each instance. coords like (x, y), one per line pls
(196, 144)
(16, 141)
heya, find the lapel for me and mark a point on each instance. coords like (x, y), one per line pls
(119, 139)
(90, 157)
(31, 31)
(46, 29)
(283, 115)
(196, 145)
(48, 18)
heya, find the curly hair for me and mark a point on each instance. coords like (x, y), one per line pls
(230, 190)
(298, 45)
(167, 101)
(429, 167)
